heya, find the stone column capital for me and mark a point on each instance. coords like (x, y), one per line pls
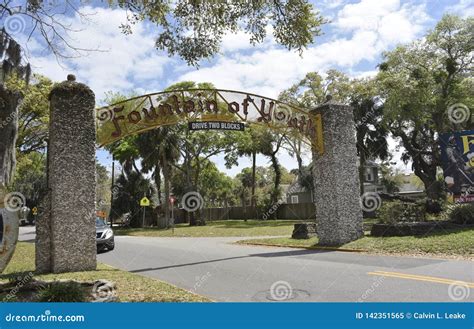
(71, 87)
(331, 105)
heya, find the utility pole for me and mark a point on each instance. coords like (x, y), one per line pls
(112, 192)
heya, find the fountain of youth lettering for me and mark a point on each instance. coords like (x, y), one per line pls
(205, 109)
(65, 227)
(328, 129)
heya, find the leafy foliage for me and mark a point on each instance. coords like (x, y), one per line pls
(194, 29)
(12, 60)
(361, 94)
(30, 177)
(61, 292)
(103, 185)
(130, 188)
(419, 82)
(463, 214)
(191, 29)
(397, 211)
(33, 117)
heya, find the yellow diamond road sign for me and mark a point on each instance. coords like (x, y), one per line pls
(144, 202)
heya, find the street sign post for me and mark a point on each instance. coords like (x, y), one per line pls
(144, 202)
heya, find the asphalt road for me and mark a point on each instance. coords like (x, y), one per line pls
(222, 271)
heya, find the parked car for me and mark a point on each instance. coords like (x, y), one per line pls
(23, 216)
(104, 235)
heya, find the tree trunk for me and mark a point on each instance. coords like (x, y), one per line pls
(362, 161)
(276, 183)
(431, 188)
(298, 157)
(196, 216)
(158, 183)
(166, 203)
(254, 169)
(9, 103)
(189, 216)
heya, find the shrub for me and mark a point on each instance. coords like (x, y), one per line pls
(62, 292)
(397, 211)
(463, 214)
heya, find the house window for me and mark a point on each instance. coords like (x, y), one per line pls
(368, 175)
(294, 199)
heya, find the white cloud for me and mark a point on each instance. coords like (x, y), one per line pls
(365, 14)
(118, 62)
(235, 41)
(464, 8)
(393, 22)
(329, 4)
(361, 32)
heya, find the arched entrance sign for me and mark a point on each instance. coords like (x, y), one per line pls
(207, 106)
(70, 203)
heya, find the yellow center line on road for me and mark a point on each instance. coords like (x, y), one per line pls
(422, 278)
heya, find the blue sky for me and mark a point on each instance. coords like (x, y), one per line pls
(358, 32)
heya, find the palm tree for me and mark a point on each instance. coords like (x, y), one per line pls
(158, 150)
(131, 187)
(248, 144)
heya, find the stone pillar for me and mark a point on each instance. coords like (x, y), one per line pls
(43, 236)
(65, 239)
(336, 178)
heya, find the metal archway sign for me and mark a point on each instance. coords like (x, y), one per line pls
(150, 111)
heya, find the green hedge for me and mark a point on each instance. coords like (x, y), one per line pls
(462, 214)
(397, 211)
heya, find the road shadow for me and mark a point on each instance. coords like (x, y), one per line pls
(320, 255)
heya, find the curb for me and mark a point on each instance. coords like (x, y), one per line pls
(308, 248)
(368, 252)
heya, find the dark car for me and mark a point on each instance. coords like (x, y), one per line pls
(104, 235)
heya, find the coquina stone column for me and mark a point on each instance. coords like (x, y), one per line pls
(66, 230)
(336, 179)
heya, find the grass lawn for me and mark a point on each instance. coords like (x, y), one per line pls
(452, 243)
(130, 287)
(218, 229)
